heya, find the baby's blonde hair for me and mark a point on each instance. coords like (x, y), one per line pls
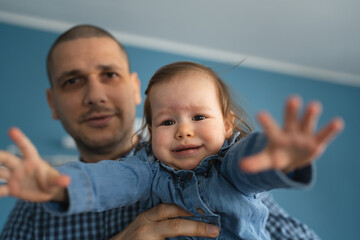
(234, 114)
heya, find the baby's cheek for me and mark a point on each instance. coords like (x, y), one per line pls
(157, 150)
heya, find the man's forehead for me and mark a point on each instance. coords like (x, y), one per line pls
(87, 53)
(89, 46)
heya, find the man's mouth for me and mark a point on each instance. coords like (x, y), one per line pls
(99, 121)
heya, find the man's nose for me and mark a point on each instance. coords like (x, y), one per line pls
(184, 130)
(95, 92)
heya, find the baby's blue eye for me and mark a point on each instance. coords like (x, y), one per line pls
(167, 123)
(199, 118)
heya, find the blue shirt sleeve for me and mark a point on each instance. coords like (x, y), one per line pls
(250, 184)
(104, 185)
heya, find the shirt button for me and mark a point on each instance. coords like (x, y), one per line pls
(199, 210)
(211, 162)
(181, 181)
(189, 176)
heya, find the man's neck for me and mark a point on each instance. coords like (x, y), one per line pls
(113, 153)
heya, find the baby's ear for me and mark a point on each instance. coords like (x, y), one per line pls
(229, 124)
(149, 129)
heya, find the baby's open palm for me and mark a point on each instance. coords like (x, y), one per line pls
(30, 178)
(296, 144)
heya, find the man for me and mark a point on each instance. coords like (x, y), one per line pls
(94, 95)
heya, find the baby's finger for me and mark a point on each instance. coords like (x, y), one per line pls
(4, 173)
(268, 124)
(9, 160)
(325, 135)
(26, 147)
(292, 107)
(311, 117)
(62, 181)
(50, 178)
(4, 191)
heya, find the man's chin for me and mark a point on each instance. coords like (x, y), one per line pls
(97, 144)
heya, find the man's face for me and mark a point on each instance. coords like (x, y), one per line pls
(94, 95)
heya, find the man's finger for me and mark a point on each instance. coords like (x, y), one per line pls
(165, 211)
(26, 147)
(166, 223)
(184, 227)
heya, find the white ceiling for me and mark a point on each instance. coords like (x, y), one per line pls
(315, 38)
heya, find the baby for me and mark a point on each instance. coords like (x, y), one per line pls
(200, 156)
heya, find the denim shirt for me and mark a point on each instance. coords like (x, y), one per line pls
(216, 191)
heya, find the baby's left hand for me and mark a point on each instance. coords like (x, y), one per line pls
(296, 145)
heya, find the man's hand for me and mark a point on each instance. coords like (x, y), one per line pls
(30, 178)
(162, 221)
(296, 144)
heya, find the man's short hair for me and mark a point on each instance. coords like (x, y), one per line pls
(76, 32)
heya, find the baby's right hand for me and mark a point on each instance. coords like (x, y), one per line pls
(30, 178)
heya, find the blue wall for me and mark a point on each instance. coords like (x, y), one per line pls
(330, 208)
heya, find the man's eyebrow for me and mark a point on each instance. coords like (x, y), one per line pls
(109, 67)
(76, 72)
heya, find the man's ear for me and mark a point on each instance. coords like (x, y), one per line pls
(137, 88)
(229, 124)
(51, 103)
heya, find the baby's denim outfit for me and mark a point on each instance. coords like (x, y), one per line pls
(216, 191)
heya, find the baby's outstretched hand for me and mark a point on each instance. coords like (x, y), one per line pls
(30, 178)
(296, 144)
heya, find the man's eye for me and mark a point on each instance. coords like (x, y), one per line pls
(70, 82)
(111, 74)
(167, 123)
(198, 118)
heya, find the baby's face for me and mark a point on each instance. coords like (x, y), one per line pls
(187, 121)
